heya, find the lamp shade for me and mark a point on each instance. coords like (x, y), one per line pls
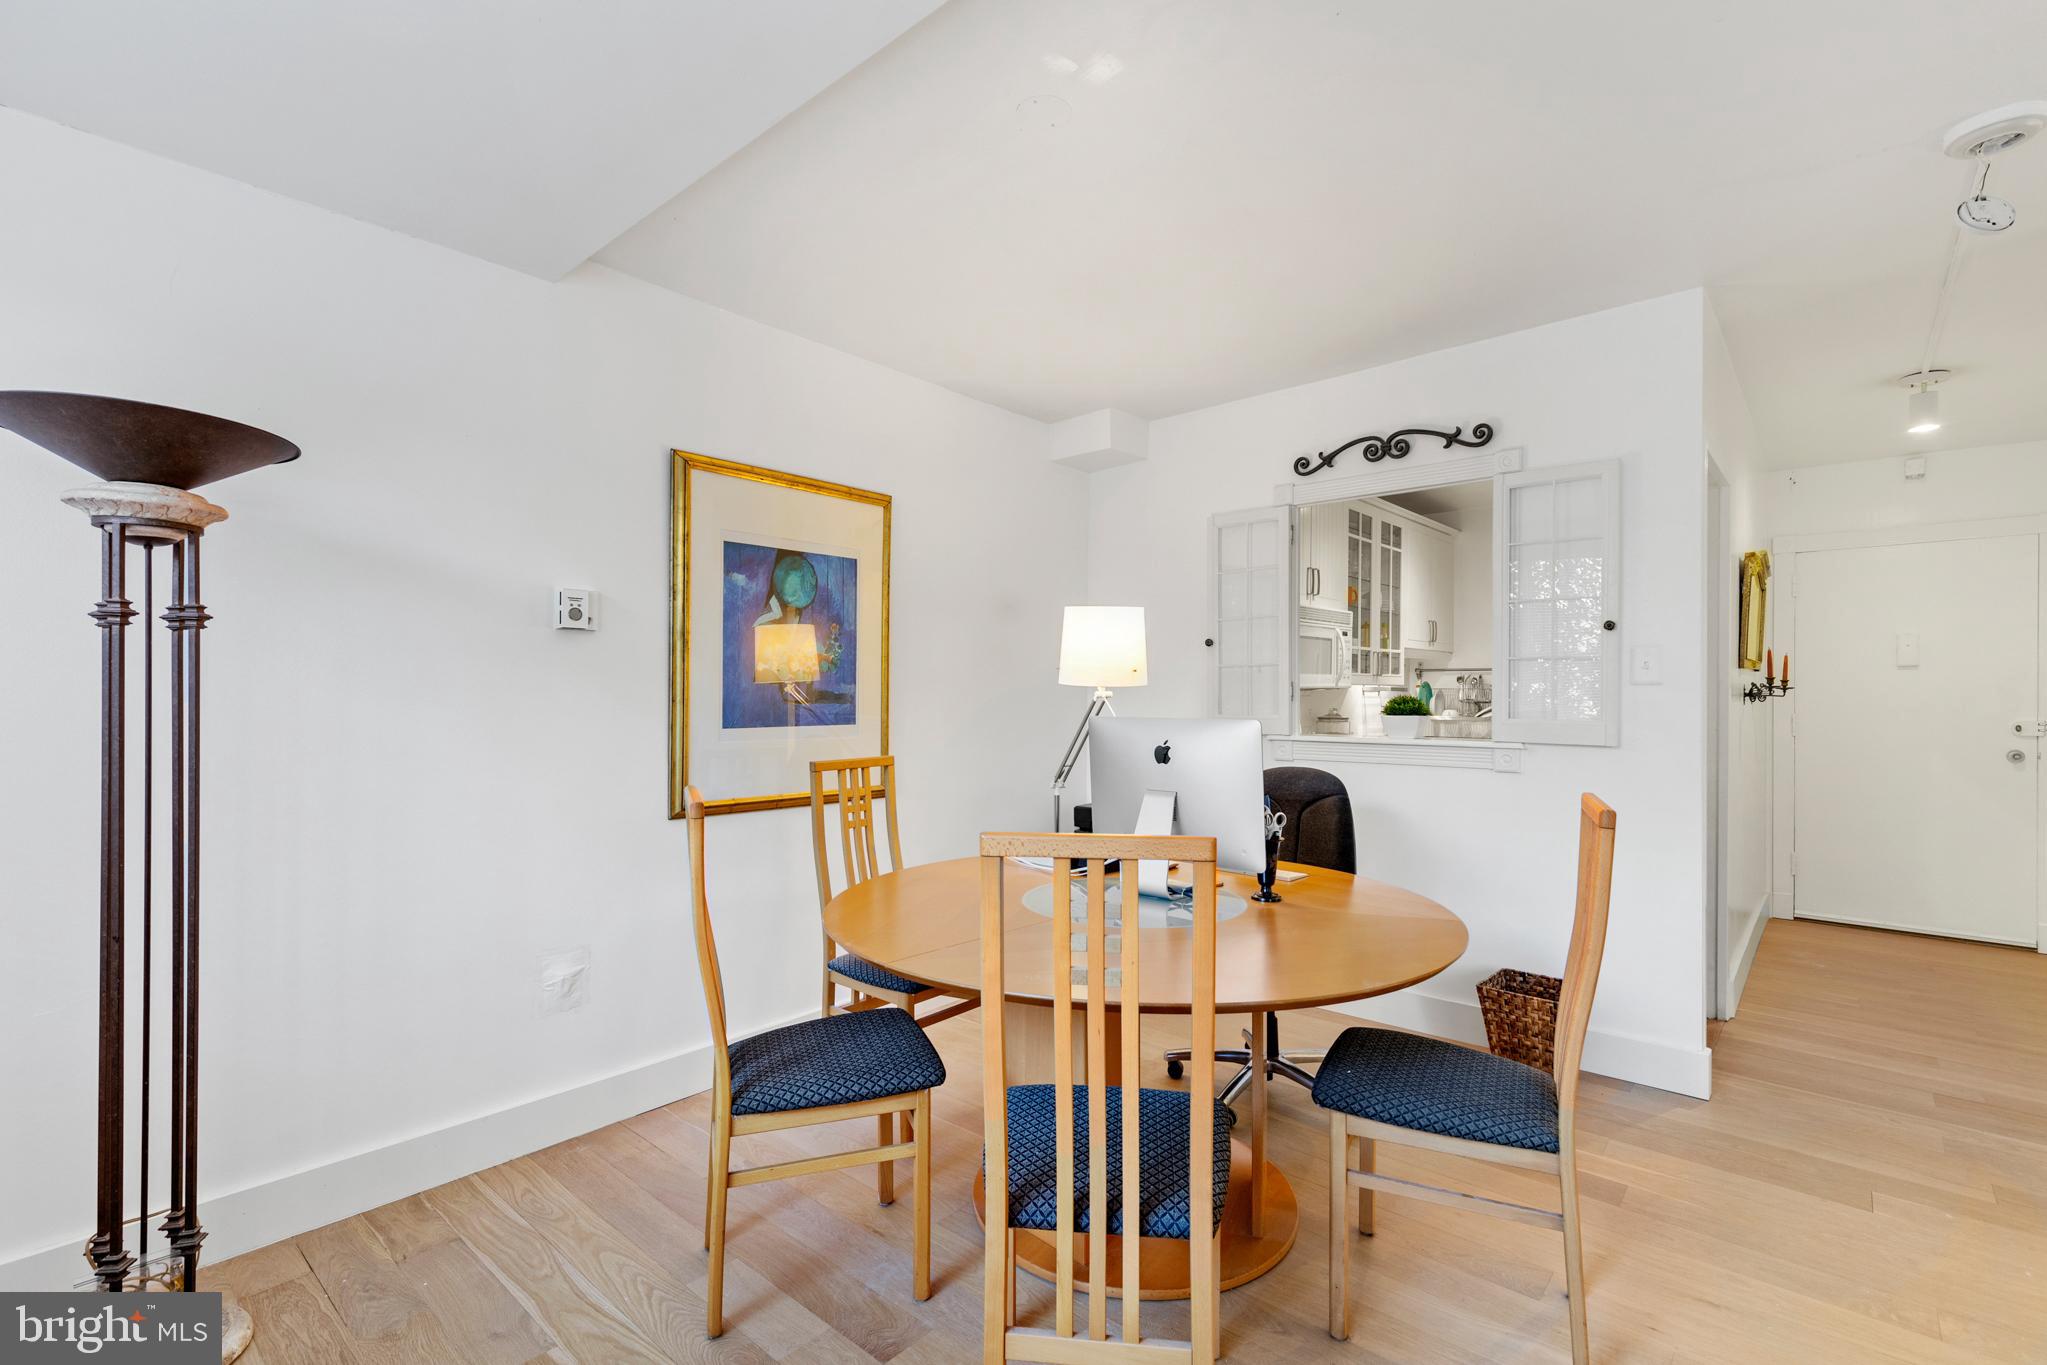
(1102, 647)
(785, 653)
(123, 441)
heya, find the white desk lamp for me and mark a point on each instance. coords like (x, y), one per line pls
(1102, 648)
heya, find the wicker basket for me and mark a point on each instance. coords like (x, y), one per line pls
(1521, 1016)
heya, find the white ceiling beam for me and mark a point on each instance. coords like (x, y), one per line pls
(1099, 440)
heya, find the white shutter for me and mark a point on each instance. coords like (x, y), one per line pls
(1556, 576)
(1250, 612)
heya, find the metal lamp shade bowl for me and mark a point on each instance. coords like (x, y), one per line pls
(122, 441)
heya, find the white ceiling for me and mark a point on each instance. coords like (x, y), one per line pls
(1247, 197)
(1242, 197)
(527, 132)
(1447, 498)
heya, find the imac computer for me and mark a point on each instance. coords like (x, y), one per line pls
(1181, 777)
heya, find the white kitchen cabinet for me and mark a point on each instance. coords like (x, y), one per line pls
(1391, 575)
(1428, 589)
(1321, 537)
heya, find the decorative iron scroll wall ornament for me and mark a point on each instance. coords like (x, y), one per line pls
(150, 458)
(1393, 447)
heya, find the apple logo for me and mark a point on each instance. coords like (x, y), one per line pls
(1164, 752)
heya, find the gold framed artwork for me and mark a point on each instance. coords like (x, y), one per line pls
(1755, 608)
(778, 631)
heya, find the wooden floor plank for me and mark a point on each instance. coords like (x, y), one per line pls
(296, 1325)
(408, 1226)
(521, 1259)
(488, 1325)
(387, 1318)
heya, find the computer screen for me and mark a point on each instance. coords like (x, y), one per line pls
(1213, 770)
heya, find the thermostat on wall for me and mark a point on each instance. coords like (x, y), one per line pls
(575, 609)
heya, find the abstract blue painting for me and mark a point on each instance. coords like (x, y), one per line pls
(775, 676)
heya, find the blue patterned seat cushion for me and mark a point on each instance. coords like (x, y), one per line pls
(1162, 1133)
(881, 978)
(842, 1059)
(1436, 1087)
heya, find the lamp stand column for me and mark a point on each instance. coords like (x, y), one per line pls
(1074, 747)
(149, 517)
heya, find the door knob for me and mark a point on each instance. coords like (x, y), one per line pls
(2015, 755)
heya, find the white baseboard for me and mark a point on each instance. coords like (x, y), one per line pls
(1745, 953)
(258, 1215)
(1687, 1071)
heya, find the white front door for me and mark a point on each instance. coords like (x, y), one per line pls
(1915, 696)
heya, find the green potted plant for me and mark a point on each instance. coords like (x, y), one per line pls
(1404, 714)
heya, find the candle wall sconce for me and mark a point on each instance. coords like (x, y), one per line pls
(1771, 685)
(149, 458)
(1764, 690)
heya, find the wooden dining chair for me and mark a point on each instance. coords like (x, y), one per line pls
(1380, 1085)
(847, 1066)
(857, 784)
(1170, 1147)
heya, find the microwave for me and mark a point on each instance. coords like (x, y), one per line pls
(1322, 648)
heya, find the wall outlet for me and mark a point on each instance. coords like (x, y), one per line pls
(564, 980)
(575, 609)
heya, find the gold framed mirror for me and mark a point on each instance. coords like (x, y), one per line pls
(1755, 602)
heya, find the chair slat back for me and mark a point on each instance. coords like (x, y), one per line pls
(855, 784)
(707, 946)
(1106, 976)
(1588, 943)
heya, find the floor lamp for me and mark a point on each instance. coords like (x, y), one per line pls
(1102, 648)
(149, 459)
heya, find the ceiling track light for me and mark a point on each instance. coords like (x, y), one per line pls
(1976, 139)
(1922, 407)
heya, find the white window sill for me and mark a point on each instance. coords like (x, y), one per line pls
(1495, 754)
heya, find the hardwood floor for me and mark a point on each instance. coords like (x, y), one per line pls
(1868, 1184)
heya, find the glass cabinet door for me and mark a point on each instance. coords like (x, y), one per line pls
(1358, 595)
(1373, 595)
(1390, 639)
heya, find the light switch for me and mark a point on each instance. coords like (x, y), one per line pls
(1915, 466)
(1908, 649)
(1645, 665)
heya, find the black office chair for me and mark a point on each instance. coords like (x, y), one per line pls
(1319, 832)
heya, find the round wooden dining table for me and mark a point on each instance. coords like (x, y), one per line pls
(1331, 938)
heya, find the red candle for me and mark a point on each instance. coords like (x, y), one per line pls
(1787, 670)
(1770, 665)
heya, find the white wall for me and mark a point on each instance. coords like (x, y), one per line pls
(1747, 728)
(1960, 485)
(1977, 484)
(413, 785)
(1472, 565)
(1499, 849)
